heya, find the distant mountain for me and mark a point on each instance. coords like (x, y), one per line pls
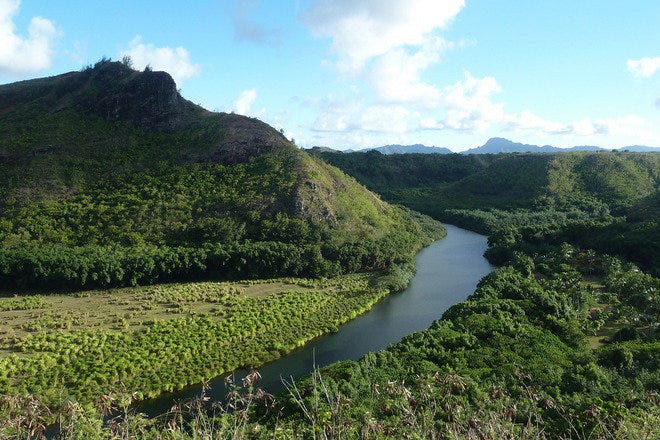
(388, 149)
(494, 145)
(403, 149)
(582, 148)
(500, 145)
(642, 149)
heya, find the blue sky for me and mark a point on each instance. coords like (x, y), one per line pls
(361, 73)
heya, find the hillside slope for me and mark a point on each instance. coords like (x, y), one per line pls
(434, 183)
(608, 197)
(110, 177)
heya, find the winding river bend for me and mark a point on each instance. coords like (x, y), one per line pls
(447, 273)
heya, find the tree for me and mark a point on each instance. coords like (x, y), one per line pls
(127, 61)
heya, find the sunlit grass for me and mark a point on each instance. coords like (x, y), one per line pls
(164, 337)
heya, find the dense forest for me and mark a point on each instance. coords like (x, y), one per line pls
(560, 341)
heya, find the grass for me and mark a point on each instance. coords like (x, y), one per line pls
(133, 308)
(164, 337)
(605, 332)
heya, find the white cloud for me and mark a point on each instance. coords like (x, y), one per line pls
(363, 29)
(348, 116)
(175, 61)
(392, 45)
(243, 103)
(23, 55)
(385, 119)
(528, 121)
(632, 126)
(396, 75)
(334, 116)
(469, 106)
(644, 67)
(429, 123)
(333, 122)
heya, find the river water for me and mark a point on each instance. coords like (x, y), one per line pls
(447, 273)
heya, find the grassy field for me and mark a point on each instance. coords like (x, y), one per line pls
(126, 309)
(167, 336)
(132, 309)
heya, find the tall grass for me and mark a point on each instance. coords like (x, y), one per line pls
(429, 408)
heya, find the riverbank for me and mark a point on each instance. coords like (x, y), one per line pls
(163, 338)
(447, 272)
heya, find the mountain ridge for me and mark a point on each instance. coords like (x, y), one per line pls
(495, 145)
(123, 103)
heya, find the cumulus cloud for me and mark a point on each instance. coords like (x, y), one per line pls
(469, 103)
(385, 119)
(396, 75)
(625, 126)
(466, 105)
(334, 116)
(363, 29)
(334, 122)
(347, 116)
(23, 55)
(243, 103)
(392, 45)
(644, 67)
(528, 121)
(175, 61)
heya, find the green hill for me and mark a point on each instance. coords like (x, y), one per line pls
(110, 177)
(435, 183)
(602, 200)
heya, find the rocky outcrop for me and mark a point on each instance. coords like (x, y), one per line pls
(148, 99)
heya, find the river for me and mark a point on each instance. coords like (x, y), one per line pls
(447, 273)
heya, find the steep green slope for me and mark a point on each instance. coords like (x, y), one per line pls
(60, 133)
(110, 177)
(435, 183)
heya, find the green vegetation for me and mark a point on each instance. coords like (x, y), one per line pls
(513, 361)
(204, 221)
(110, 178)
(156, 338)
(561, 341)
(594, 182)
(607, 201)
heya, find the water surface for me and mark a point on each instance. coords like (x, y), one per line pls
(447, 273)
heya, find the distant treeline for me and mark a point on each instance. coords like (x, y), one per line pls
(61, 267)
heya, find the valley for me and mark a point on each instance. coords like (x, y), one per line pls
(147, 244)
